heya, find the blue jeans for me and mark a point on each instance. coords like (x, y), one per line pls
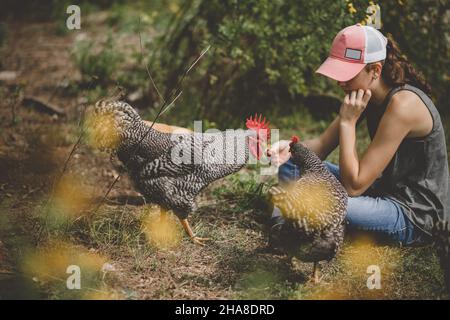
(380, 215)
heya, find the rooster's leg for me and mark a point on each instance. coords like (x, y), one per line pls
(187, 228)
(316, 278)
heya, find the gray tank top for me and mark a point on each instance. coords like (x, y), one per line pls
(417, 177)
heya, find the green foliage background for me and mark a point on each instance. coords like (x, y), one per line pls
(265, 53)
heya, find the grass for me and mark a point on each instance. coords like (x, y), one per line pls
(238, 235)
(102, 63)
(234, 264)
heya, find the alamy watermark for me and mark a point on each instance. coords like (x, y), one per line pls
(229, 147)
(73, 22)
(74, 280)
(374, 280)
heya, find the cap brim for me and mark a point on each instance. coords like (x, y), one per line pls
(340, 70)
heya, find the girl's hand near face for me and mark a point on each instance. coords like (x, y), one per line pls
(353, 105)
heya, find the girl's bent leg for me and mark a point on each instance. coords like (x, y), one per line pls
(288, 172)
(381, 216)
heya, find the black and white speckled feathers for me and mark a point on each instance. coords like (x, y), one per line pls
(171, 169)
(314, 208)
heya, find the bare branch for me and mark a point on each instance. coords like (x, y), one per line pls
(172, 103)
(177, 91)
(146, 66)
(201, 56)
(72, 151)
(164, 107)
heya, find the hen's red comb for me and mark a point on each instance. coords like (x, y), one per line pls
(294, 140)
(257, 124)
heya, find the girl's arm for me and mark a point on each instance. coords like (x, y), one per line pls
(324, 144)
(357, 175)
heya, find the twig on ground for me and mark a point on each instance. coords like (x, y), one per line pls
(66, 162)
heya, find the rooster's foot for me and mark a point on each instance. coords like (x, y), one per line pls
(199, 241)
(316, 278)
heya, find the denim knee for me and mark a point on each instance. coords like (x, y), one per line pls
(288, 172)
(382, 216)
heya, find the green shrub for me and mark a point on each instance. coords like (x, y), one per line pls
(101, 63)
(2, 34)
(421, 28)
(265, 52)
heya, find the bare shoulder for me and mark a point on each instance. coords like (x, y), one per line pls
(407, 107)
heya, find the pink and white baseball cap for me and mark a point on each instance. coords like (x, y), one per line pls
(353, 48)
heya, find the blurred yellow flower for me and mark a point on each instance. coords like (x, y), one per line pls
(173, 7)
(162, 229)
(351, 8)
(103, 294)
(70, 197)
(50, 262)
(101, 131)
(319, 199)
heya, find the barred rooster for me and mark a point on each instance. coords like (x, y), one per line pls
(171, 169)
(314, 208)
(441, 234)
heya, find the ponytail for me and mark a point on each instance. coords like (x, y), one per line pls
(397, 70)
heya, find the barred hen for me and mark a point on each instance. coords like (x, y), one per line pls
(314, 208)
(441, 234)
(171, 169)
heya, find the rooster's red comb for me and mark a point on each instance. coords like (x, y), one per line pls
(257, 124)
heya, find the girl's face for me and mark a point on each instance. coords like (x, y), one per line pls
(365, 79)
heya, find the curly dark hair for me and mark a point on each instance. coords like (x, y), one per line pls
(397, 70)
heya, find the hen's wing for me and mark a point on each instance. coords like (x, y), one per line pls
(174, 181)
(194, 156)
(170, 193)
(310, 203)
